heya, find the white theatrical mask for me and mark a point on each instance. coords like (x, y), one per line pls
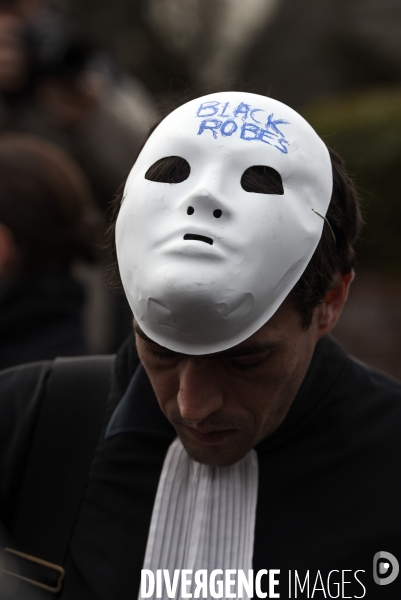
(245, 251)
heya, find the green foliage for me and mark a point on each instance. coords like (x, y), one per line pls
(366, 131)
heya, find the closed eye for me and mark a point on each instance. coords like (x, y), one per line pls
(172, 169)
(161, 354)
(261, 179)
(249, 363)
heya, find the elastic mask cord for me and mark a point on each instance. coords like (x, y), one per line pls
(326, 221)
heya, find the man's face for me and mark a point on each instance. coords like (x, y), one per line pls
(223, 404)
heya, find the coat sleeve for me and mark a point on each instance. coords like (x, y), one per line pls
(22, 390)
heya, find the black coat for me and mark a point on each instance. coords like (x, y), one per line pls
(329, 478)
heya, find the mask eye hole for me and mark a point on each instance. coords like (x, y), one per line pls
(262, 180)
(172, 169)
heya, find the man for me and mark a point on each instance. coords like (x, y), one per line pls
(236, 435)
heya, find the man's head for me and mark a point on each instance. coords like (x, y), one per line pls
(224, 398)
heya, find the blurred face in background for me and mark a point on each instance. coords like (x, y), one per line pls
(25, 9)
(13, 56)
(14, 59)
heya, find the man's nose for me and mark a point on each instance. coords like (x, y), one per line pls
(200, 392)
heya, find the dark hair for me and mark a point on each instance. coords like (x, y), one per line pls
(334, 253)
(46, 203)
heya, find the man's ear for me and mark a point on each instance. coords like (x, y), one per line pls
(333, 303)
(8, 252)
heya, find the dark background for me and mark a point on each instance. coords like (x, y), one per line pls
(337, 62)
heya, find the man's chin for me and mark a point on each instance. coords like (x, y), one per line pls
(218, 454)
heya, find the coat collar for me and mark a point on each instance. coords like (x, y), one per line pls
(138, 410)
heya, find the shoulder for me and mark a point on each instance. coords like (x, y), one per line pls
(339, 378)
(350, 406)
(21, 393)
(22, 390)
(371, 391)
(16, 382)
(364, 416)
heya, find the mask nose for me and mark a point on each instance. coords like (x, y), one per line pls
(205, 204)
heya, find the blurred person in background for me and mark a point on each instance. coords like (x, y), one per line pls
(55, 84)
(48, 221)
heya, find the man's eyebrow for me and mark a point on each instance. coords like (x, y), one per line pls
(251, 348)
(143, 335)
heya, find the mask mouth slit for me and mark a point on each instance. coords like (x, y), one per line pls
(198, 238)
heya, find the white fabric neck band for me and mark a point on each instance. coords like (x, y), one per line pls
(203, 516)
